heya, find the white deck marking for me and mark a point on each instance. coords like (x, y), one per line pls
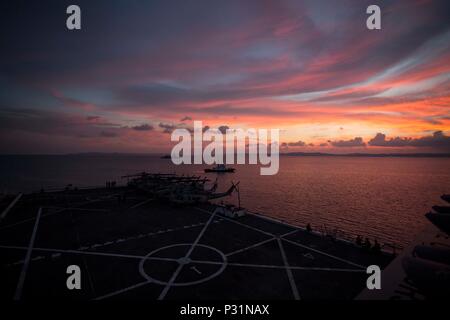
(237, 264)
(309, 256)
(279, 239)
(288, 271)
(23, 274)
(17, 223)
(289, 233)
(293, 242)
(171, 281)
(56, 212)
(60, 209)
(12, 204)
(260, 243)
(325, 254)
(122, 290)
(237, 222)
(92, 253)
(268, 266)
(175, 274)
(196, 270)
(104, 244)
(250, 247)
(141, 203)
(291, 267)
(140, 236)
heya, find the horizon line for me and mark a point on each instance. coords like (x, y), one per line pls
(294, 154)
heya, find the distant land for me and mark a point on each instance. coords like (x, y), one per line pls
(289, 154)
(376, 155)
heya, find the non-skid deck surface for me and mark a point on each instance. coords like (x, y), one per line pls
(143, 249)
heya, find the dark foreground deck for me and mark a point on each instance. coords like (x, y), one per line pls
(143, 249)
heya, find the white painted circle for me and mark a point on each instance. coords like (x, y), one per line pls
(183, 261)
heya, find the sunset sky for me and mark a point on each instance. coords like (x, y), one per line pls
(139, 69)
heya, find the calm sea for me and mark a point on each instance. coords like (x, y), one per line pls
(383, 198)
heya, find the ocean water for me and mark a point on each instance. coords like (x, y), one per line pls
(383, 198)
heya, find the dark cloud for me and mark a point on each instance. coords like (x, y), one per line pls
(380, 141)
(297, 144)
(356, 142)
(186, 118)
(108, 134)
(167, 128)
(92, 118)
(324, 144)
(143, 127)
(438, 141)
(223, 129)
(53, 123)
